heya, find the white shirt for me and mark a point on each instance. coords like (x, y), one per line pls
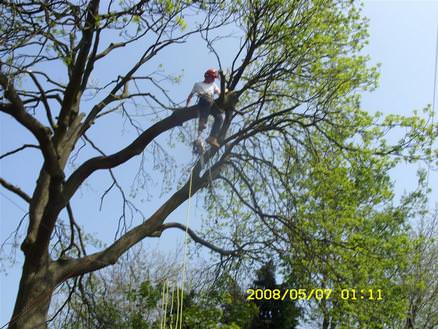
(203, 88)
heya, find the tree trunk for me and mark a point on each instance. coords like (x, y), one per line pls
(33, 299)
(409, 323)
(326, 322)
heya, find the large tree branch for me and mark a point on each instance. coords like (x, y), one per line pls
(149, 227)
(177, 118)
(74, 86)
(16, 190)
(90, 64)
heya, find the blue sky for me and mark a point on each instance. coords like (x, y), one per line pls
(402, 39)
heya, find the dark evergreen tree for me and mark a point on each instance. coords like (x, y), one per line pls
(273, 314)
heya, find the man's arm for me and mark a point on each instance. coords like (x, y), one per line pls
(194, 91)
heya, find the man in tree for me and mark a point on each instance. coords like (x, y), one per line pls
(205, 90)
(295, 77)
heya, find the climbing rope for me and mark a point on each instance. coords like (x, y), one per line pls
(185, 249)
(179, 292)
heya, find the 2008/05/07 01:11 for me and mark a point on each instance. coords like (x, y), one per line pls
(318, 294)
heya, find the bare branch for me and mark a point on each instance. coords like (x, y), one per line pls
(15, 190)
(18, 150)
(42, 134)
(199, 240)
(43, 97)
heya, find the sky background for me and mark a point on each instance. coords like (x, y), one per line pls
(402, 39)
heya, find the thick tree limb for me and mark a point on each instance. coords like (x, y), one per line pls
(15, 190)
(177, 118)
(90, 64)
(110, 255)
(74, 86)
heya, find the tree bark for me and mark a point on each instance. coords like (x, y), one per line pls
(34, 296)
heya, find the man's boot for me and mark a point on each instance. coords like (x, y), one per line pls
(213, 142)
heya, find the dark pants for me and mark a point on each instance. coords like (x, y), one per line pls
(206, 107)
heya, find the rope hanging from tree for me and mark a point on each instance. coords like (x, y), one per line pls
(179, 292)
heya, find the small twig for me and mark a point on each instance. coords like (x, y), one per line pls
(18, 150)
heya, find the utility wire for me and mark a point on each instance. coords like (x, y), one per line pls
(12, 202)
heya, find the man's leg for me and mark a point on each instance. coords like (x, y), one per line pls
(217, 124)
(203, 112)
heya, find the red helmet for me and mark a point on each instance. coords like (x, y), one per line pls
(211, 73)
